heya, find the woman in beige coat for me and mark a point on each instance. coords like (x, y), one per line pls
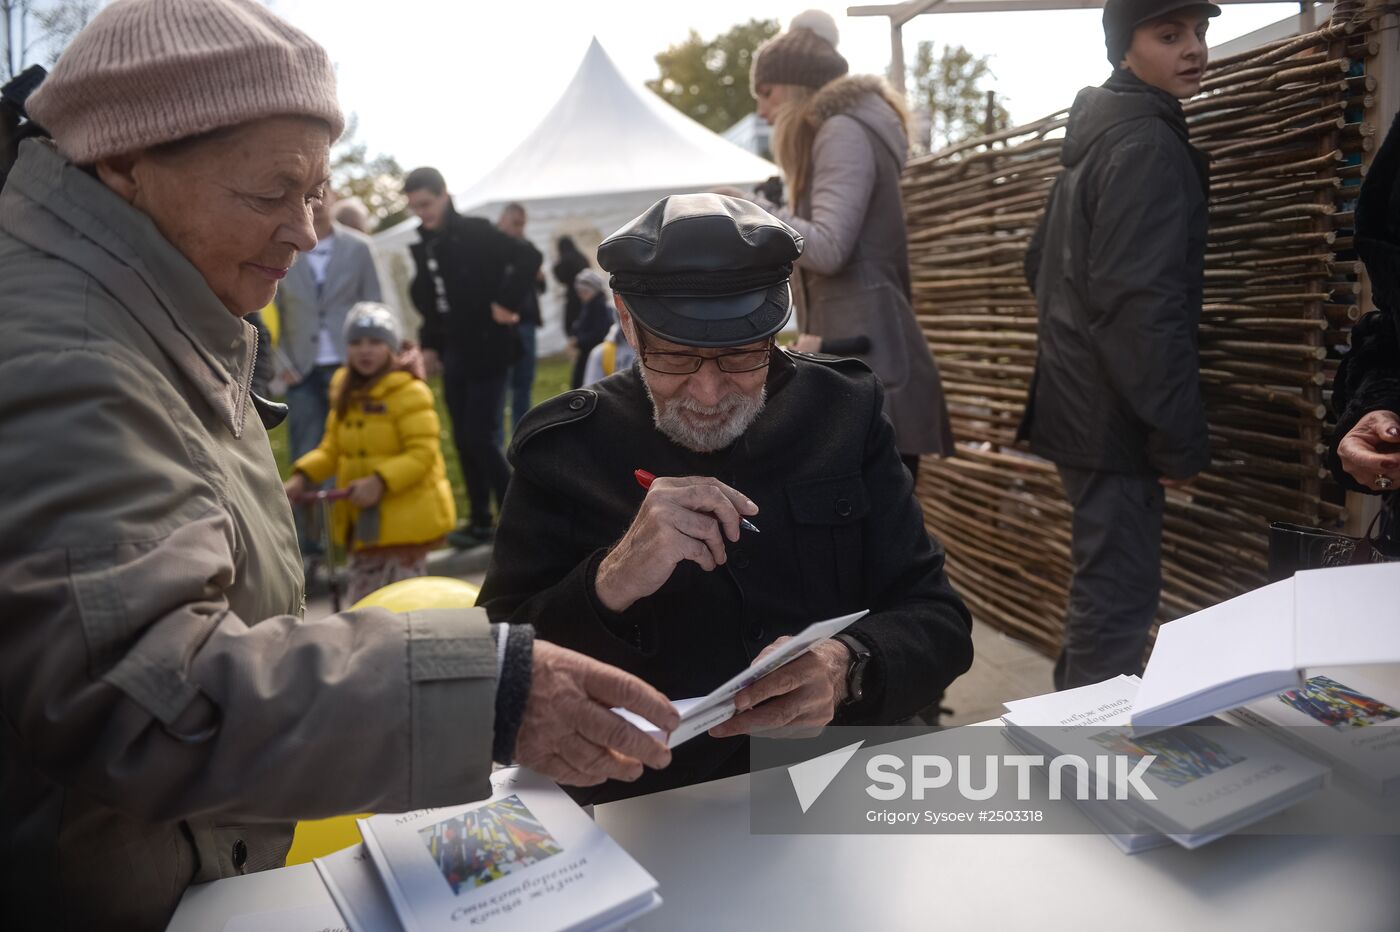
(841, 141)
(166, 710)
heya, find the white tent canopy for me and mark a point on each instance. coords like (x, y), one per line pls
(607, 135)
(606, 151)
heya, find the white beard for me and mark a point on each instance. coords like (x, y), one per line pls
(739, 410)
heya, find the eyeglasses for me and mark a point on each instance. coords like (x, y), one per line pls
(690, 363)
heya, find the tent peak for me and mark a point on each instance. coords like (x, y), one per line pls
(607, 135)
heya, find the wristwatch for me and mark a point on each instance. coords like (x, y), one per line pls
(855, 673)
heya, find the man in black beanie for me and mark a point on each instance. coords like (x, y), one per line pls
(1117, 267)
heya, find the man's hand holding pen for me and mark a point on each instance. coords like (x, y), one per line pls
(685, 518)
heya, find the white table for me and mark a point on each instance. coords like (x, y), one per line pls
(714, 874)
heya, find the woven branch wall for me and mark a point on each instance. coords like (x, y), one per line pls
(1287, 126)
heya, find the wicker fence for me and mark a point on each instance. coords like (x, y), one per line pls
(1287, 126)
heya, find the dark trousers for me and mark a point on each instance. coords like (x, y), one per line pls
(308, 403)
(1117, 552)
(520, 382)
(474, 405)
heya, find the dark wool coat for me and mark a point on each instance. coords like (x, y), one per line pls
(1369, 376)
(479, 265)
(1117, 267)
(840, 531)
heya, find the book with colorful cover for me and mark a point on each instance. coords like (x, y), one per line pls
(1348, 717)
(526, 859)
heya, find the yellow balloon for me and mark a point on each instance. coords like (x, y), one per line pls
(408, 595)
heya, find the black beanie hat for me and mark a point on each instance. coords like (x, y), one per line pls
(1121, 17)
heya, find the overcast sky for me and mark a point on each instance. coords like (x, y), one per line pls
(457, 85)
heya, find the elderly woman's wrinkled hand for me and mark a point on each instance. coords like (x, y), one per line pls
(1370, 452)
(570, 733)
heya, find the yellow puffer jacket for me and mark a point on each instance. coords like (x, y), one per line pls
(392, 431)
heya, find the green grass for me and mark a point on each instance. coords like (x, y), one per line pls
(551, 378)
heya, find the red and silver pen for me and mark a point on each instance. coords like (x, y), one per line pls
(645, 479)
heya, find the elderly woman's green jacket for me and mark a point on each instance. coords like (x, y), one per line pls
(164, 710)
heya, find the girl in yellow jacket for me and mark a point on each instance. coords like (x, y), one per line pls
(382, 445)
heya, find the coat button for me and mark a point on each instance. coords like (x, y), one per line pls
(240, 854)
(576, 403)
(755, 631)
(739, 559)
(843, 508)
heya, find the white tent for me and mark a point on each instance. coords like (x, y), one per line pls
(605, 152)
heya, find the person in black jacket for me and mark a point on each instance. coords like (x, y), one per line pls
(594, 321)
(470, 279)
(1117, 267)
(570, 263)
(520, 380)
(663, 582)
(1365, 453)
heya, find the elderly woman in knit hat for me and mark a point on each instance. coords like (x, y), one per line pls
(167, 711)
(841, 141)
(594, 320)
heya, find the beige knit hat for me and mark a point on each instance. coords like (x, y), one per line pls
(146, 72)
(804, 55)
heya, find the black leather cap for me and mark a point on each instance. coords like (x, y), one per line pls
(704, 269)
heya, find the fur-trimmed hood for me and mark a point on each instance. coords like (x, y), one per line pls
(858, 96)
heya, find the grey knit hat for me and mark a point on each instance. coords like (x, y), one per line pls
(804, 55)
(591, 278)
(375, 321)
(147, 72)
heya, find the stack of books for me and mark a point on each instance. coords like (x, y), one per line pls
(1209, 778)
(526, 859)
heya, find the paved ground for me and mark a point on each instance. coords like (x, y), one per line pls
(1002, 667)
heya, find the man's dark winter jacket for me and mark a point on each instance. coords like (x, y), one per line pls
(479, 265)
(1117, 268)
(1369, 376)
(840, 531)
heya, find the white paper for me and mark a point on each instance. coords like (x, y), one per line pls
(1348, 615)
(701, 713)
(323, 918)
(290, 899)
(1219, 658)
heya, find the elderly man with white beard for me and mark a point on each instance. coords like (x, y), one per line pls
(679, 518)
